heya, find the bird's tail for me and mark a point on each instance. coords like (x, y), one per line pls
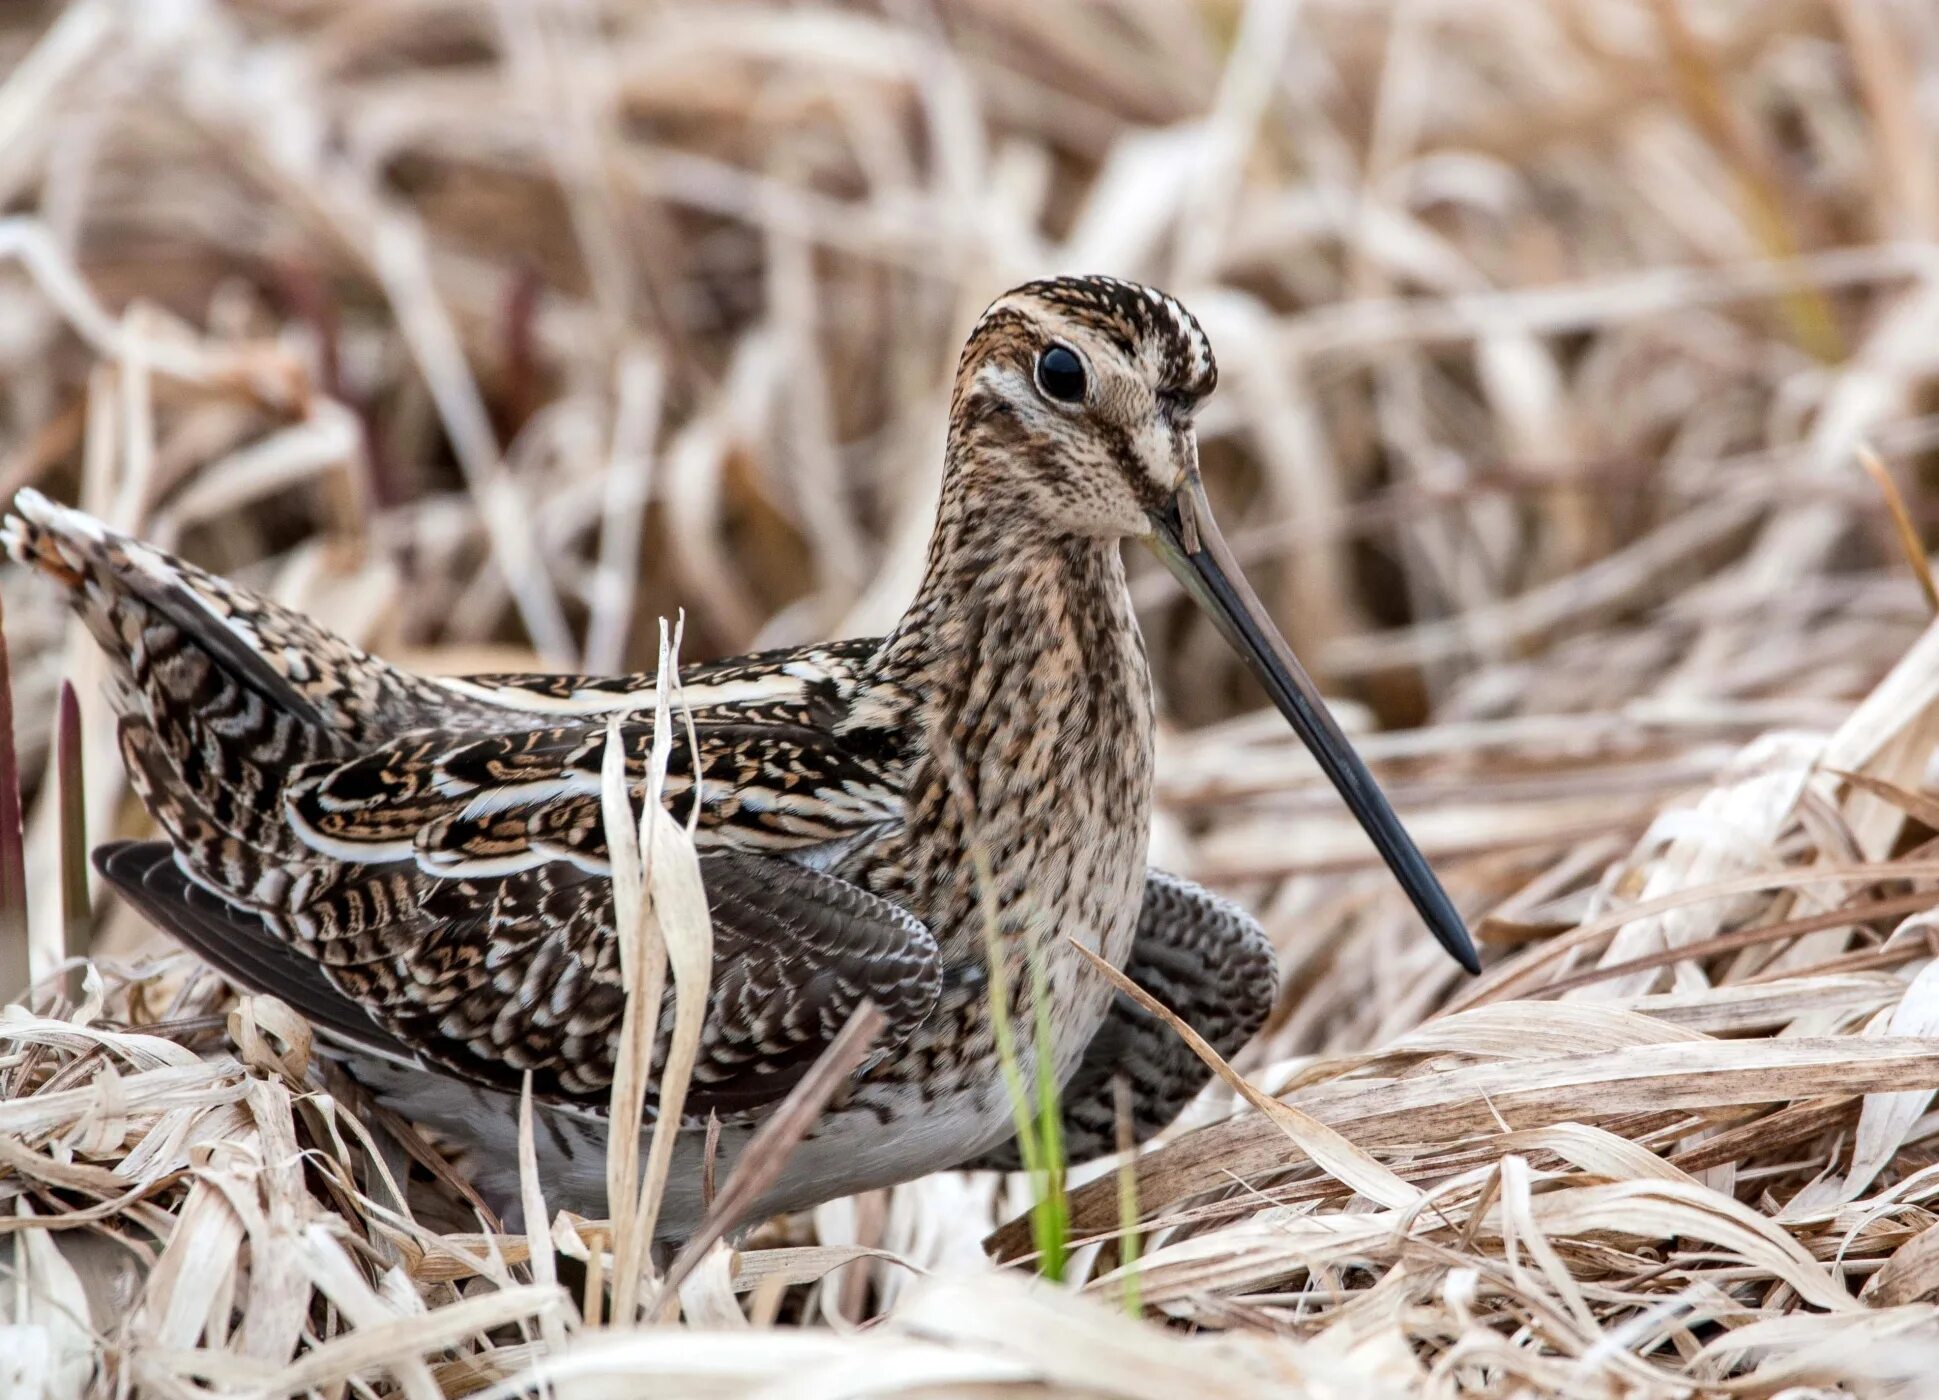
(173, 631)
(222, 693)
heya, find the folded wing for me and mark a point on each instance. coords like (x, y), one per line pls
(795, 953)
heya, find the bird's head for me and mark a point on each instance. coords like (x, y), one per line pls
(1074, 404)
(1072, 417)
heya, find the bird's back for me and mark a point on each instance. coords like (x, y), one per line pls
(422, 864)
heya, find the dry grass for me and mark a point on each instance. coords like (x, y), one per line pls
(1550, 337)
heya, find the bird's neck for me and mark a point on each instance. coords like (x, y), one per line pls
(1011, 612)
(1028, 676)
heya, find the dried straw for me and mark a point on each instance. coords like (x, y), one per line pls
(1553, 339)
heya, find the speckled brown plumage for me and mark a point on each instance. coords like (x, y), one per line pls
(420, 865)
(1206, 959)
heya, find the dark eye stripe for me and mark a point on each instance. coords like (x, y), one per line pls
(1060, 374)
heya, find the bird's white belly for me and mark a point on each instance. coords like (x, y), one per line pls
(851, 1149)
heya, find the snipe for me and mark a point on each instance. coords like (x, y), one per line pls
(419, 866)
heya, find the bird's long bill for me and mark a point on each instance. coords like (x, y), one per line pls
(1190, 544)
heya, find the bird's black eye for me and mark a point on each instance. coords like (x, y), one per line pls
(1060, 374)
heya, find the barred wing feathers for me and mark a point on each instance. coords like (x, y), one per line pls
(422, 867)
(795, 952)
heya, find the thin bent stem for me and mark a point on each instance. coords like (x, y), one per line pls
(16, 967)
(76, 917)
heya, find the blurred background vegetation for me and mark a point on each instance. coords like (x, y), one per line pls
(1555, 338)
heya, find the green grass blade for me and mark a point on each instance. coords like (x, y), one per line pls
(1053, 1200)
(1039, 1133)
(1130, 1242)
